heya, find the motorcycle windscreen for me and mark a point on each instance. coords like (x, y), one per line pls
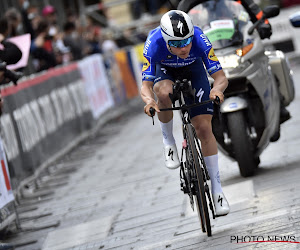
(222, 21)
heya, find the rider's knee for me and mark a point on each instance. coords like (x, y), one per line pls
(203, 131)
(162, 92)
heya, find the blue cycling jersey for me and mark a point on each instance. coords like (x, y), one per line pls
(156, 51)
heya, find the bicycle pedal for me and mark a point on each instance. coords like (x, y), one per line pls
(183, 188)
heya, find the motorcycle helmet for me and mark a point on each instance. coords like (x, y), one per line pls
(177, 28)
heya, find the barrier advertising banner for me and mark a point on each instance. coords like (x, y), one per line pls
(96, 84)
(41, 116)
(122, 57)
(6, 192)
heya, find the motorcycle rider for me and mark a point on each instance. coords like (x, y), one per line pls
(264, 29)
(175, 49)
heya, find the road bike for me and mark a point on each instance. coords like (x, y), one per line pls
(194, 176)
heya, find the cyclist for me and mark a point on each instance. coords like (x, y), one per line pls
(178, 48)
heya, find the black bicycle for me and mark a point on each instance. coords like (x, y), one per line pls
(194, 176)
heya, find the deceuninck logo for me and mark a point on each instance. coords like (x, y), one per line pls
(261, 239)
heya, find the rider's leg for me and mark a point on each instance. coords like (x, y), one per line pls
(162, 90)
(202, 124)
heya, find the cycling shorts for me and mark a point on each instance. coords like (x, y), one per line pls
(197, 74)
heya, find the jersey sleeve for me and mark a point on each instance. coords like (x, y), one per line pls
(209, 58)
(149, 53)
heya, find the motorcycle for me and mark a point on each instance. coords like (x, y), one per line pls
(249, 118)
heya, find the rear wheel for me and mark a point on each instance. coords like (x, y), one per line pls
(200, 197)
(241, 143)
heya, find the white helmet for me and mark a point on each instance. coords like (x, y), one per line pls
(177, 26)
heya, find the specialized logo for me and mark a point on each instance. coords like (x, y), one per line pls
(200, 94)
(220, 200)
(212, 56)
(180, 26)
(164, 70)
(169, 56)
(171, 154)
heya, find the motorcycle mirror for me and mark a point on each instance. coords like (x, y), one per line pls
(295, 19)
(271, 11)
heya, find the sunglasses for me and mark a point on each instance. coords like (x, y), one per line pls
(180, 43)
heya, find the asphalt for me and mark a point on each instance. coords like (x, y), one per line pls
(111, 191)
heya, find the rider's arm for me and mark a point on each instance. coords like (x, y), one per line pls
(219, 86)
(147, 95)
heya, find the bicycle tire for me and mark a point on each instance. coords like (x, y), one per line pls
(199, 210)
(200, 196)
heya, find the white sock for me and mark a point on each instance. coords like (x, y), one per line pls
(213, 170)
(167, 131)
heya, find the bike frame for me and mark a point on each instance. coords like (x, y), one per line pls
(193, 171)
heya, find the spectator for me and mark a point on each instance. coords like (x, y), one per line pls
(109, 47)
(31, 17)
(14, 19)
(62, 52)
(140, 6)
(9, 52)
(41, 48)
(70, 39)
(93, 36)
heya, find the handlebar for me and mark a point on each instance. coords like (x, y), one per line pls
(185, 107)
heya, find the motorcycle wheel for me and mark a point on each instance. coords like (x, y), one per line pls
(241, 143)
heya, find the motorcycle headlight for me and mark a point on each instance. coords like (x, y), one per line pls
(234, 60)
(229, 61)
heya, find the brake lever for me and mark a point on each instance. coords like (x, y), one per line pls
(217, 100)
(152, 112)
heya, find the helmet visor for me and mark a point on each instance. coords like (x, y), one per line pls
(180, 43)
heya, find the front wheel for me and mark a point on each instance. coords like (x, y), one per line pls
(200, 196)
(241, 143)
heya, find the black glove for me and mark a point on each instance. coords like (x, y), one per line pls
(264, 30)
